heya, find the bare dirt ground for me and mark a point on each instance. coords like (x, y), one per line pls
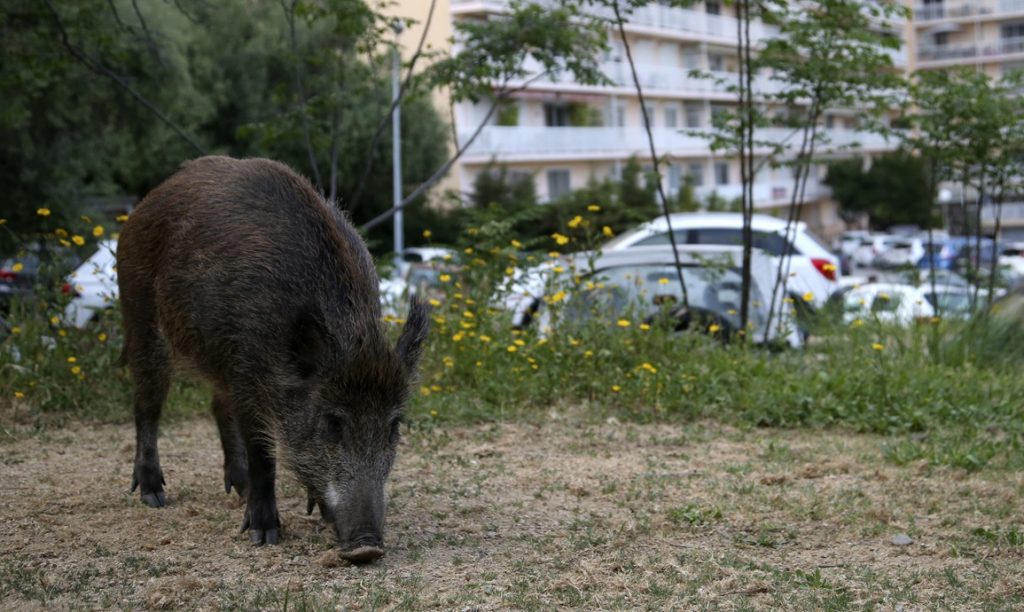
(522, 516)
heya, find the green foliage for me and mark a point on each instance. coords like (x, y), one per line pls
(896, 189)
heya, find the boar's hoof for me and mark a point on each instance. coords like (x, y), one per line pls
(363, 554)
(152, 490)
(259, 537)
(237, 477)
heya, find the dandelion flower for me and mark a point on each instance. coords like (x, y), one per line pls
(468, 250)
(623, 323)
(433, 413)
(714, 328)
(434, 302)
(516, 244)
(883, 296)
(60, 232)
(731, 311)
(808, 297)
(76, 370)
(64, 243)
(444, 278)
(122, 218)
(877, 346)
(468, 314)
(856, 323)
(424, 391)
(616, 388)
(560, 239)
(594, 208)
(485, 339)
(556, 298)
(458, 337)
(509, 271)
(648, 367)
(662, 281)
(19, 394)
(15, 330)
(607, 231)
(519, 342)
(558, 269)
(575, 222)
(644, 327)
(43, 212)
(72, 359)
(512, 348)
(78, 240)
(553, 254)
(97, 231)
(102, 337)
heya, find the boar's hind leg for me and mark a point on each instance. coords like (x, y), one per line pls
(236, 468)
(261, 517)
(150, 368)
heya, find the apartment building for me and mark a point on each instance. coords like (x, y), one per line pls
(565, 134)
(987, 35)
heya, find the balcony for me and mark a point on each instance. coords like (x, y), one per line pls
(1012, 215)
(967, 9)
(543, 144)
(994, 50)
(668, 21)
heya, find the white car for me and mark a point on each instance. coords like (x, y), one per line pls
(813, 269)
(1011, 257)
(900, 253)
(646, 277)
(887, 303)
(93, 285)
(415, 255)
(871, 247)
(850, 240)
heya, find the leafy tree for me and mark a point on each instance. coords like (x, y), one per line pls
(895, 190)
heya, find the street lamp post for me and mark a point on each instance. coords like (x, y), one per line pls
(396, 139)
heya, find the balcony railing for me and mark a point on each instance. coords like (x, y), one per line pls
(982, 50)
(667, 78)
(967, 8)
(671, 19)
(1012, 214)
(567, 143)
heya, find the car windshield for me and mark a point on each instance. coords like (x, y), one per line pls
(647, 289)
(951, 301)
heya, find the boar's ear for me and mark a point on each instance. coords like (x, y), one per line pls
(417, 324)
(308, 344)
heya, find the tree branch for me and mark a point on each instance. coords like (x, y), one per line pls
(371, 155)
(300, 90)
(102, 70)
(654, 155)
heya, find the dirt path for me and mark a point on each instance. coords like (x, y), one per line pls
(516, 516)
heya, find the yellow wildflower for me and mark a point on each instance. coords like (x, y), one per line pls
(607, 231)
(485, 339)
(54, 320)
(556, 298)
(519, 342)
(97, 231)
(877, 346)
(553, 254)
(427, 233)
(616, 388)
(444, 278)
(64, 243)
(434, 302)
(662, 281)
(60, 232)
(18, 267)
(72, 359)
(808, 297)
(935, 320)
(468, 314)
(15, 330)
(43, 212)
(122, 218)
(433, 413)
(588, 353)
(856, 323)
(458, 337)
(102, 337)
(509, 271)
(644, 327)
(19, 394)
(76, 370)
(78, 240)
(435, 388)
(512, 348)
(623, 323)
(516, 244)
(648, 367)
(575, 222)
(424, 391)
(714, 328)
(594, 208)
(574, 342)
(468, 250)
(558, 269)
(560, 239)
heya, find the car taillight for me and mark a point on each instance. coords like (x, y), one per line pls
(826, 267)
(7, 276)
(69, 289)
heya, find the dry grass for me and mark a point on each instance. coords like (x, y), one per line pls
(524, 516)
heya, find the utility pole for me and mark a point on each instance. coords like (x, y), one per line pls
(396, 139)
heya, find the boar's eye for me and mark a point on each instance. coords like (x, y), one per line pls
(396, 429)
(333, 426)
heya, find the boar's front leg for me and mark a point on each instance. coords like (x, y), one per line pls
(236, 468)
(261, 519)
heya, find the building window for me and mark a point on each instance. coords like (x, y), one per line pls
(721, 173)
(1013, 30)
(675, 178)
(671, 116)
(940, 39)
(716, 62)
(692, 116)
(695, 172)
(830, 121)
(714, 7)
(556, 114)
(650, 116)
(558, 183)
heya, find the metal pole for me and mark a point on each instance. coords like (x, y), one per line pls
(396, 149)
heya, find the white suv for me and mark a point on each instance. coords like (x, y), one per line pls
(814, 270)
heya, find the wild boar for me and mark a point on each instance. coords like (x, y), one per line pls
(242, 271)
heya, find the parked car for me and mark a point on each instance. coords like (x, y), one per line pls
(888, 303)
(644, 280)
(1011, 258)
(955, 253)
(849, 241)
(414, 255)
(93, 285)
(814, 269)
(32, 266)
(871, 247)
(900, 253)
